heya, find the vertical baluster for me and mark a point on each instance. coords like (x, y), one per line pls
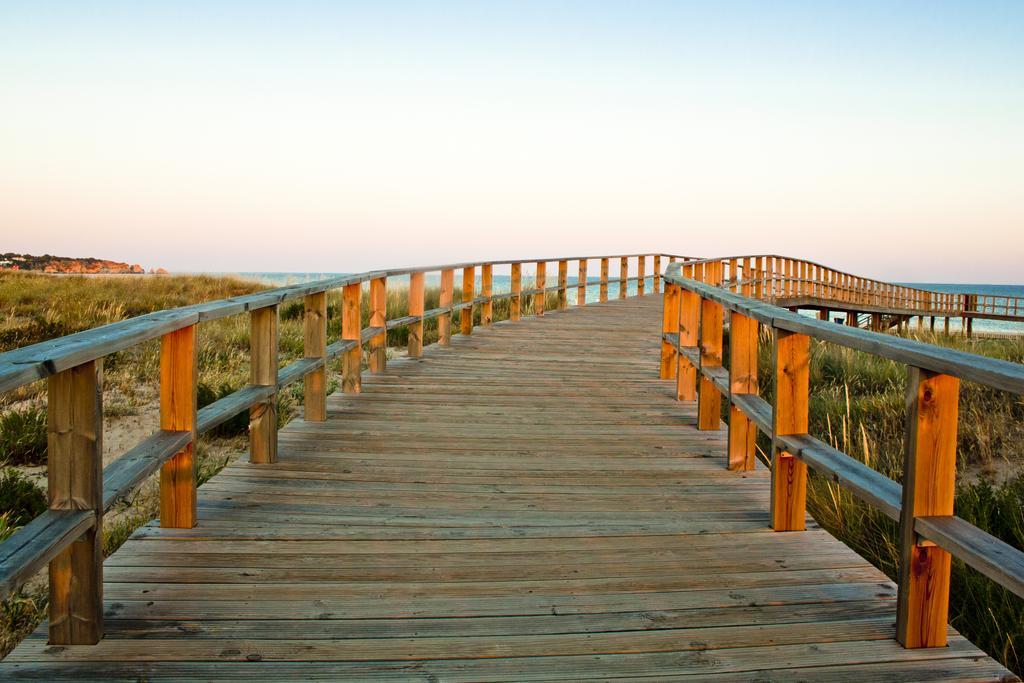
(75, 482)
(515, 302)
(468, 289)
(179, 370)
(581, 283)
(641, 271)
(486, 291)
(657, 273)
(416, 307)
(379, 318)
(603, 289)
(623, 273)
(791, 374)
(314, 344)
(742, 380)
(540, 298)
(352, 330)
(263, 372)
(689, 327)
(444, 321)
(563, 285)
(759, 277)
(929, 480)
(669, 325)
(709, 399)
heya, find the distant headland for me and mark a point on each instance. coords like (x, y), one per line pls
(48, 263)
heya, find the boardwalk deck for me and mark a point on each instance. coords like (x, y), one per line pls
(529, 504)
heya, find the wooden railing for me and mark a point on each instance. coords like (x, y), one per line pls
(68, 536)
(792, 283)
(702, 297)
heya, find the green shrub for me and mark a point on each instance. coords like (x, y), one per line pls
(21, 499)
(23, 437)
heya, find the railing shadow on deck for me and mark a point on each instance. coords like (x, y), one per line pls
(699, 301)
(67, 537)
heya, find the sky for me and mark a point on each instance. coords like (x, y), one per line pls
(885, 139)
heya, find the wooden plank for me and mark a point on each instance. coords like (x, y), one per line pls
(791, 375)
(351, 331)
(929, 482)
(742, 380)
(75, 482)
(314, 344)
(38, 542)
(124, 474)
(179, 375)
(997, 560)
(263, 344)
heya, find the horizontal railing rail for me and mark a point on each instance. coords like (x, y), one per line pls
(67, 537)
(704, 297)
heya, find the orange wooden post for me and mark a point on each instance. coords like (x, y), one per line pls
(791, 374)
(179, 371)
(603, 288)
(539, 298)
(352, 330)
(486, 284)
(759, 291)
(623, 275)
(515, 305)
(263, 372)
(641, 268)
(742, 380)
(563, 285)
(929, 482)
(657, 273)
(709, 399)
(444, 321)
(689, 326)
(314, 342)
(379, 318)
(75, 478)
(468, 289)
(581, 283)
(669, 325)
(416, 307)
(734, 275)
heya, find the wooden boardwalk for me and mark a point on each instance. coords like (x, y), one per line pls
(529, 504)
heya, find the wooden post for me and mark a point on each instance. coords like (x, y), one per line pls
(689, 327)
(444, 321)
(379, 318)
(581, 283)
(669, 325)
(742, 380)
(542, 280)
(709, 399)
(929, 481)
(75, 478)
(515, 306)
(263, 372)
(623, 274)
(315, 346)
(791, 374)
(758, 276)
(468, 287)
(657, 273)
(179, 372)
(603, 289)
(486, 284)
(852, 319)
(563, 285)
(641, 268)
(416, 307)
(352, 330)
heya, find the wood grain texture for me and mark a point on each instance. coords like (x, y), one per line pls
(603, 286)
(742, 380)
(314, 340)
(540, 282)
(929, 482)
(75, 482)
(263, 344)
(379, 319)
(515, 303)
(581, 283)
(179, 374)
(791, 375)
(468, 287)
(352, 331)
(499, 511)
(444, 321)
(486, 291)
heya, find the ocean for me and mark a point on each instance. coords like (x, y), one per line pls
(503, 283)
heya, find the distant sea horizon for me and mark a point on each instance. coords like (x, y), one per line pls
(502, 283)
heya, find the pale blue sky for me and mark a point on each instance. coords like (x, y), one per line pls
(884, 138)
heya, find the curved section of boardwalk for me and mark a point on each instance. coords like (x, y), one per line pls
(530, 504)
